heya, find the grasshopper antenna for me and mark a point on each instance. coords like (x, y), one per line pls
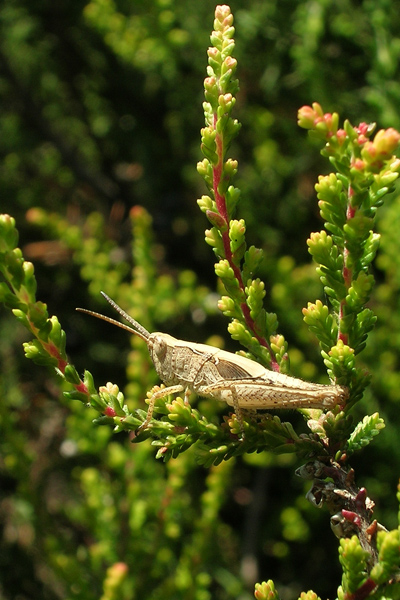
(136, 328)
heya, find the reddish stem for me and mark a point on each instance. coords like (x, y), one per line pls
(53, 351)
(50, 347)
(347, 272)
(220, 202)
(217, 175)
(363, 592)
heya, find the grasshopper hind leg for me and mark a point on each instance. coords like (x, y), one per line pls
(238, 411)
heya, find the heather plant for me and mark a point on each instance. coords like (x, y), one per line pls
(364, 170)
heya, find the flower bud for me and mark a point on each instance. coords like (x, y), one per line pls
(307, 115)
(223, 14)
(386, 141)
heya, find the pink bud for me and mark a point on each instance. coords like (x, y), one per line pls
(223, 13)
(362, 129)
(306, 117)
(212, 52)
(209, 82)
(110, 412)
(120, 568)
(136, 212)
(341, 136)
(230, 62)
(386, 140)
(371, 149)
(361, 140)
(224, 99)
(328, 123)
(358, 164)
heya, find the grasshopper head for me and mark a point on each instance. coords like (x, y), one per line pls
(161, 349)
(161, 345)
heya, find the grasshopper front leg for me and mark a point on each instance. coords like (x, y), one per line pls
(160, 393)
(157, 393)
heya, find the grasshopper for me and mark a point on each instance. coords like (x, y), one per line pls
(213, 373)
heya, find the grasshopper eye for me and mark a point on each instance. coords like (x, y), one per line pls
(159, 346)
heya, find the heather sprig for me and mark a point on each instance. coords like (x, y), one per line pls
(363, 433)
(251, 325)
(18, 292)
(366, 170)
(354, 560)
(266, 591)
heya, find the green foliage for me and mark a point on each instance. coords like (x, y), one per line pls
(364, 432)
(348, 201)
(266, 591)
(388, 560)
(354, 562)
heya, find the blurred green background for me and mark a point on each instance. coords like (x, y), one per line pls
(100, 112)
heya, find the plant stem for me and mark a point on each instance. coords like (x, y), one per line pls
(220, 201)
